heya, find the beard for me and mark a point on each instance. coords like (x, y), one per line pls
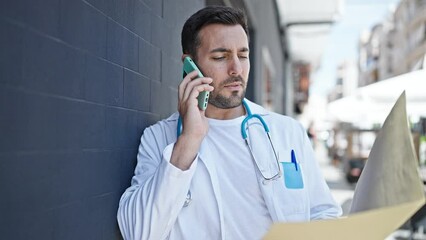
(220, 101)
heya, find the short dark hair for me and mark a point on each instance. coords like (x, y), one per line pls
(209, 15)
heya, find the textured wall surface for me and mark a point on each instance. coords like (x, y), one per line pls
(79, 81)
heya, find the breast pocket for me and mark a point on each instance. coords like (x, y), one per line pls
(292, 175)
(291, 194)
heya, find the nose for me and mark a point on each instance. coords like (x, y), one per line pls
(235, 67)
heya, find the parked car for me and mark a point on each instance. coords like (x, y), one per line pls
(353, 168)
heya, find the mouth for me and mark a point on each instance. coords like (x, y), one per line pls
(233, 85)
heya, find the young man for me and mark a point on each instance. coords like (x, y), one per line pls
(202, 181)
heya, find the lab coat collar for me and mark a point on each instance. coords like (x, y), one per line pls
(255, 109)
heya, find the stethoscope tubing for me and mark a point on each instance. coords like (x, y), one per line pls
(250, 116)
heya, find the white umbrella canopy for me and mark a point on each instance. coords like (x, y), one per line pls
(371, 104)
(414, 84)
(358, 110)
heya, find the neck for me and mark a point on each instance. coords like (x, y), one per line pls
(225, 114)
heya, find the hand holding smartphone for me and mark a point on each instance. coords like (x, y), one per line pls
(189, 66)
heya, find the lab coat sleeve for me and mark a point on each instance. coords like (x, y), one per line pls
(150, 206)
(322, 204)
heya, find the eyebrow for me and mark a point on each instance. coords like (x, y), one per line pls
(244, 49)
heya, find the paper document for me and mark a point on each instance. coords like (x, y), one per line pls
(390, 176)
(388, 192)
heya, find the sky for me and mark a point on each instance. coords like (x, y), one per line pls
(357, 16)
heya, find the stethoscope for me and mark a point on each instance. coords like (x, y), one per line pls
(245, 138)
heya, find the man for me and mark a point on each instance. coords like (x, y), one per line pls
(201, 181)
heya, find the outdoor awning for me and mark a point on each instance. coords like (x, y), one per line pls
(371, 104)
(308, 25)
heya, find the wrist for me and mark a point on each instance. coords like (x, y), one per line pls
(185, 151)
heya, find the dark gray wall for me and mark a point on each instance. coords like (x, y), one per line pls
(79, 81)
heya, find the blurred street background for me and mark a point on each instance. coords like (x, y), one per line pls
(348, 74)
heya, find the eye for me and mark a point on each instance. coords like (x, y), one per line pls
(243, 57)
(218, 58)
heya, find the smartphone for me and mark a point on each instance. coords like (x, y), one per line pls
(189, 66)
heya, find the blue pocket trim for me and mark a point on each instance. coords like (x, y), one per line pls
(292, 175)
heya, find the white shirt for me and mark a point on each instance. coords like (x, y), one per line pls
(245, 213)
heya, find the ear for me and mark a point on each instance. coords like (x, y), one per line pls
(184, 56)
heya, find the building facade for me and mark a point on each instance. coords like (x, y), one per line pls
(395, 46)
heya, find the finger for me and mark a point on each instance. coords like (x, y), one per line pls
(192, 99)
(196, 91)
(184, 82)
(194, 83)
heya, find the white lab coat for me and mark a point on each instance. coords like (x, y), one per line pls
(152, 208)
